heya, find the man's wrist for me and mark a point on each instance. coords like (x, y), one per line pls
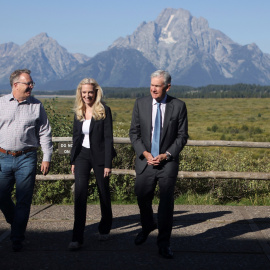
(145, 153)
(168, 156)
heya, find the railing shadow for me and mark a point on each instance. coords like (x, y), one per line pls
(199, 241)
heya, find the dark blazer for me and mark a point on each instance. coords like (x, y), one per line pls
(101, 140)
(173, 137)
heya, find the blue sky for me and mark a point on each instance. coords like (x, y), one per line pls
(90, 26)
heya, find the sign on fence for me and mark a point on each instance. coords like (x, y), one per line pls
(64, 148)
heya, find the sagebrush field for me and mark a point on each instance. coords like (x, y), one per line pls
(209, 119)
(246, 119)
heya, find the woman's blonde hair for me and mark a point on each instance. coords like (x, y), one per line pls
(98, 108)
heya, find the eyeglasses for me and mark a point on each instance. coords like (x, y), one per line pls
(28, 84)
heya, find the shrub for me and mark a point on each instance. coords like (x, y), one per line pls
(214, 128)
(191, 159)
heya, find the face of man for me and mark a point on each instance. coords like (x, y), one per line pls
(158, 89)
(88, 94)
(21, 90)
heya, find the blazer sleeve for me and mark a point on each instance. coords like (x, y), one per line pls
(135, 132)
(182, 132)
(108, 139)
(76, 139)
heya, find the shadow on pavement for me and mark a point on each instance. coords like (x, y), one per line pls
(199, 241)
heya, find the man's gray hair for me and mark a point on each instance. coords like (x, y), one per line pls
(16, 74)
(162, 73)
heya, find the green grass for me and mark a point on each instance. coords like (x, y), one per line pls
(224, 113)
(244, 119)
(209, 119)
(207, 199)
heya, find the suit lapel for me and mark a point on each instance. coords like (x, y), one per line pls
(79, 124)
(167, 117)
(92, 125)
(148, 117)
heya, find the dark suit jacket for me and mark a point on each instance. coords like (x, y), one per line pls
(173, 137)
(101, 140)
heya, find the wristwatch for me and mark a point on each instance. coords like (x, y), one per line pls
(168, 156)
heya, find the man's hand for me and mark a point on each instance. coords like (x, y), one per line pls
(107, 172)
(72, 169)
(45, 167)
(155, 161)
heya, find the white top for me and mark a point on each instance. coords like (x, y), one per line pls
(85, 131)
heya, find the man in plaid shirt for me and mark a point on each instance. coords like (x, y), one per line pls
(24, 126)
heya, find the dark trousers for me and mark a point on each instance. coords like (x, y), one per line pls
(145, 185)
(83, 166)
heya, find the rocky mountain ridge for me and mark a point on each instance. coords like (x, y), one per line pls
(186, 46)
(42, 55)
(196, 54)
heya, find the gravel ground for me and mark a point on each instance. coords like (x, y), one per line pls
(203, 237)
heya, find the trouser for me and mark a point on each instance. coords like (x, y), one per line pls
(22, 171)
(145, 185)
(83, 166)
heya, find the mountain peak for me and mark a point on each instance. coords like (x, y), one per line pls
(42, 35)
(41, 38)
(167, 12)
(185, 45)
(7, 49)
(172, 31)
(176, 41)
(42, 55)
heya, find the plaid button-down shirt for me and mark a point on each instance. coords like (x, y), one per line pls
(24, 125)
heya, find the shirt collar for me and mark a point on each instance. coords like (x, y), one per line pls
(11, 97)
(162, 101)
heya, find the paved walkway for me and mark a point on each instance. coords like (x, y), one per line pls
(204, 237)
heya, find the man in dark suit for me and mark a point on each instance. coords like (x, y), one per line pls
(158, 133)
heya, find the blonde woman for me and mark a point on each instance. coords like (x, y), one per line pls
(92, 149)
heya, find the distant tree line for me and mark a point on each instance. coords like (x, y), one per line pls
(210, 91)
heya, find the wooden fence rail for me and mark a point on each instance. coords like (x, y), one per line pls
(119, 140)
(182, 174)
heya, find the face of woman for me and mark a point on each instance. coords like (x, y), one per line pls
(88, 94)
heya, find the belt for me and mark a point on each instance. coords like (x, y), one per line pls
(17, 153)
